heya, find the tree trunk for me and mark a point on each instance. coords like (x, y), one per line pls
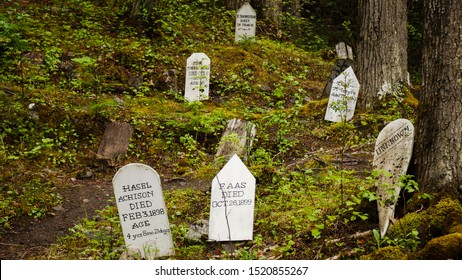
(234, 4)
(271, 12)
(294, 8)
(382, 48)
(438, 149)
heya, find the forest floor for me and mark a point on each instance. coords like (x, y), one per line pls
(82, 198)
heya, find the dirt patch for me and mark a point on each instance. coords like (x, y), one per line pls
(31, 237)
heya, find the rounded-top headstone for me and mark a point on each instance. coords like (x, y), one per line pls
(142, 211)
(197, 77)
(392, 155)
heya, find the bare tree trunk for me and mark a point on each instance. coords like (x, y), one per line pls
(271, 12)
(234, 4)
(438, 149)
(382, 48)
(294, 8)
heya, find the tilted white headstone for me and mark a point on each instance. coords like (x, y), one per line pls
(142, 211)
(232, 203)
(197, 77)
(246, 22)
(393, 151)
(340, 65)
(343, 96)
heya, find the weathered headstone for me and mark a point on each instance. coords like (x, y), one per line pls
(246, 22)
(232, 203)
(142, 211)
(115, 141)
(393, 151)
(236, 139)
(343, 96)
(339, 66)
(197, 77)
(344, 51)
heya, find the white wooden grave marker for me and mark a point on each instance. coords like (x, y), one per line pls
(340, 65)
(343, 96)
(232, 203)
(393, 151)
(197, 77)
(246, 22)
(142, 211)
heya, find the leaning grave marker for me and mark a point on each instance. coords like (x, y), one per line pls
(115, 141)
(343, 96)
(232, 203)
(339, 66)
(142, 211)
(197, 77)
(246, 22)
(236, 139)
(344, 60)
(392, 154)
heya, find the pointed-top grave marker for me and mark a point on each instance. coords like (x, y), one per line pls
(232, 203)
(246, 21)
(343, 96)
(393, 151)
(197, 77)
(142, 211)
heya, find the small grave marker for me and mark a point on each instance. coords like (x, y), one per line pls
(232, 203)
(236, 139)
(343, 96)
(142, 211)
(115, 141)
(246, 22)
(197, 77)
(393, 151)
(344, 51)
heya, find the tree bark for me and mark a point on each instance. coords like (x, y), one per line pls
(235, 4)
(271, 12)
(438, 149)
(382, 48)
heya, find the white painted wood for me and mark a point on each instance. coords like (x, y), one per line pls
(246, 22)
(232, 203)
(197, 77)
(142, 211)
(393, 152)
(343, 96)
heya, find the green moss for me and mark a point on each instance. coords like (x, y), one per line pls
(435, 221)
(445, 247)
(387, 253)
(456, 229)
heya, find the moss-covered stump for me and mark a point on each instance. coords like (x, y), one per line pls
(442, 248)
(433, 222)
(387, 253)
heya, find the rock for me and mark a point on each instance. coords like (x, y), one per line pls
(199, 230)
(130, 254)
(442, 248)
